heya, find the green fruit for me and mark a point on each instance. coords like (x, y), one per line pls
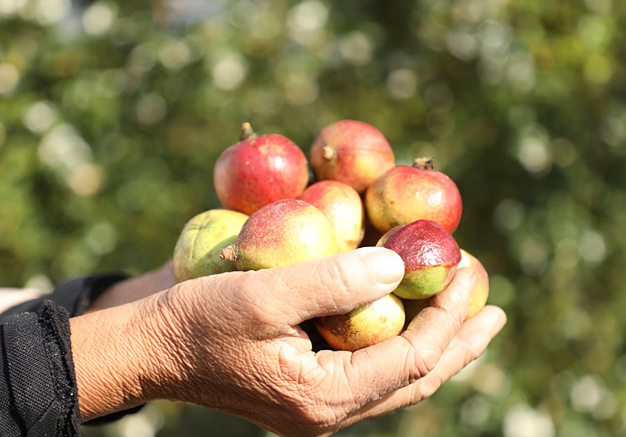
(197, 252)
(364, 326)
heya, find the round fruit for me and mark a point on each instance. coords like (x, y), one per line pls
(342, 205)
(199, 246)
(430, 256)
(280, 234)
(364, 326)
(478, 297)
(406, 194)
(259, 170)
(480, 292)
(351, 152)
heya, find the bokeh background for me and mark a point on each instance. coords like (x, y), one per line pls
(113, 112)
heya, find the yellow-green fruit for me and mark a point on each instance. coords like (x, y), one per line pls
(480, 293)
(197, 252)
(280, 234)
(364, 326)
(478, 297)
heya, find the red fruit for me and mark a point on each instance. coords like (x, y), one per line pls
(281, 234)
(351, 152)
(478, 297)
(342, 205)
(259, 170)
(407, 194)
(430, 257)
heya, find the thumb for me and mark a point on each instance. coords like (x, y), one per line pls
(332, 285)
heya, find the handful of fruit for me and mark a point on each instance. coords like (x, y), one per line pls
(272, 219)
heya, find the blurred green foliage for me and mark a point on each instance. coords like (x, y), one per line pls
(112, 114)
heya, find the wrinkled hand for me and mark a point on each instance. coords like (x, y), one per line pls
(232, 342)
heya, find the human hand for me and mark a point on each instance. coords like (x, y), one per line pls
(232, 342)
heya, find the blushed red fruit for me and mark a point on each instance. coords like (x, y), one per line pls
(478, 297)
(259, 170)
(406, 194)
(342, 205)
(280, 234)
(364, 326)
(480, 292)
(352, 152)
(430, 256)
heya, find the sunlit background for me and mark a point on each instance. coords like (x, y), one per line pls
(112, 114)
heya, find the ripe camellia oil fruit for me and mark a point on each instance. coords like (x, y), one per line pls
(351, 152)
(200, 244)
(363, 326)
(259, 170)
(480, 292)
(406, 194)
(430, 256)
(342, 205)
(280, 234)
(478, 297)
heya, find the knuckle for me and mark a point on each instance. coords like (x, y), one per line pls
(445, 316)
(430, 387)
(426, 361)
(250, 296)
(317, 417)
(421, 360)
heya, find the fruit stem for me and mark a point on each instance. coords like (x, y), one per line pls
(427, 163)
(229, 254)
(246, 132)
(328, 153)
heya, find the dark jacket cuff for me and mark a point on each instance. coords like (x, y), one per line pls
(39, 373)
(75, 295)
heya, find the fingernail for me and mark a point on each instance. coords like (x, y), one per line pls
(385, 265)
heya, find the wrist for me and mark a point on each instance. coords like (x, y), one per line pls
(117, 358)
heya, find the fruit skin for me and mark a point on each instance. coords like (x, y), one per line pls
(480, 292)
(259, 170)
(478, 297)
(280, 234)
(363, 326)
(352, 152)
(199, 246)
(406, 194)
(430, 256)
(342, 205)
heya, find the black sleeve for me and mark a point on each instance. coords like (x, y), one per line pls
(74, 297)
(38, 394)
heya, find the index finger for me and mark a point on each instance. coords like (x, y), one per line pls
(400, 361)
(469, 344)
